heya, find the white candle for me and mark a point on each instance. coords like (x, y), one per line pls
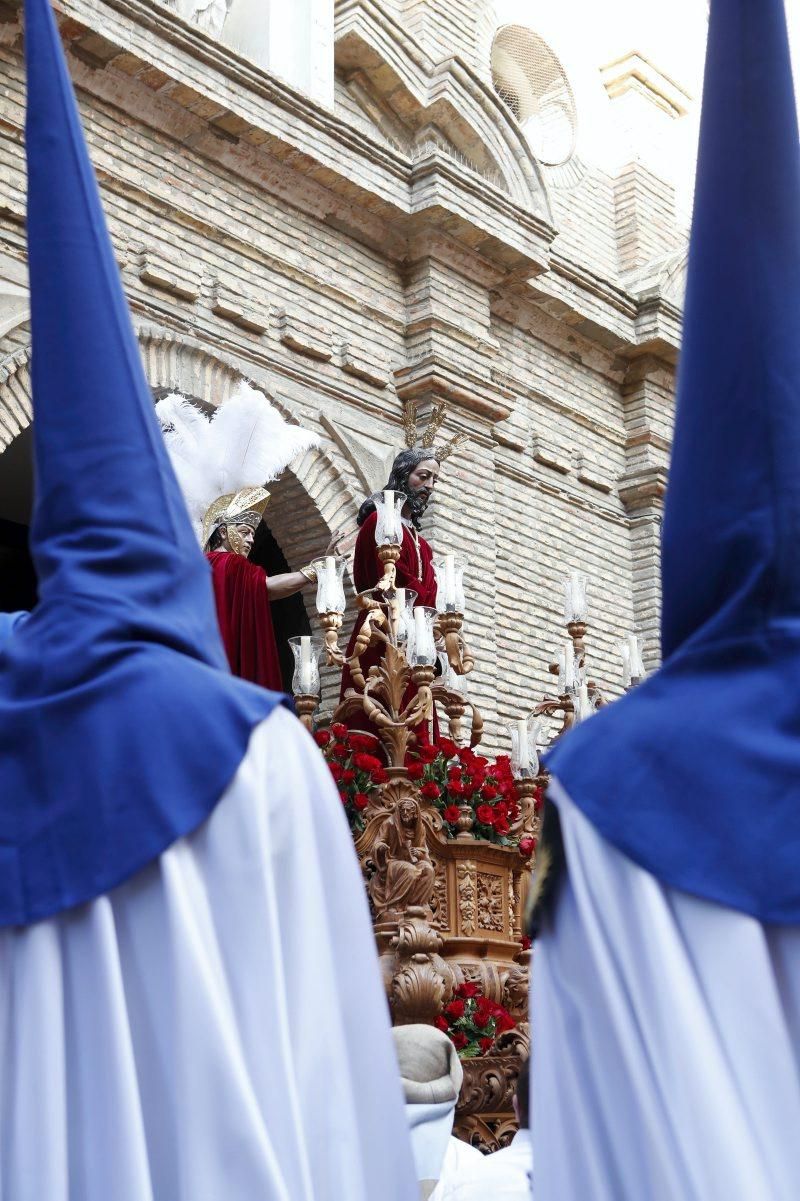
(569, 665)
(585, 703)
(305, 665)
(637, 667)
(450, 581)
(522, 740)
(424, 649)
(420, 631)
(400, 594)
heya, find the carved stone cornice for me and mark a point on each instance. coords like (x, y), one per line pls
(643, 488)
(432, 377)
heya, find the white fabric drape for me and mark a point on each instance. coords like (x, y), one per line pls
(666, 1035)
(216, 1027)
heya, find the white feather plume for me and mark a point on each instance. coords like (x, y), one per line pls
(244, 443)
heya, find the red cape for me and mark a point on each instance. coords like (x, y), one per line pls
(245, 621)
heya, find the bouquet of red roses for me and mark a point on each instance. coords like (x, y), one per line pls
(459, 782)
(355, 767)
(473, 1022)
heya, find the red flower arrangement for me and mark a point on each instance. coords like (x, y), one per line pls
(355, 767)
(452, 777)
(473, 1022)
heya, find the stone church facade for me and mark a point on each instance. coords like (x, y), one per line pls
(379, 201)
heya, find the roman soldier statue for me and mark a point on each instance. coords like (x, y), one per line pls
(222, 461)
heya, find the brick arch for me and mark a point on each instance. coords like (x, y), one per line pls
(15, 396)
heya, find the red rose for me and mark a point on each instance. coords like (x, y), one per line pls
(525, 943)
(485, 815)
(455, 1009)
(459, 1040)
(455, 787)
(501, 827)
(348, 776)
(428, 753)
(441, 1024)
(527, 846)
(380, 775)
(361, 800)
(362, 742)
(322, 737)
(451, 814)
(344, 797)
(480, 762)
(488, 792)
(340, 750)
(366, 762)
(336, 771)
(416, 770)
(484, 1012)
(454, 771)
(504, 1022)
(339, 729)
(467, 990)
(466, 754)
(467, 785)
(430, 791)
(448, 748)
(486, 1045)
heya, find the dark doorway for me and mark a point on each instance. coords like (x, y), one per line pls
(17, 576)
(289, 617)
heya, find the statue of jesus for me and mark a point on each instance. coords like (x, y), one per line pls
(414, 472)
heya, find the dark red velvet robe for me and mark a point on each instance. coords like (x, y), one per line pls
(367, 570)
(245, 621)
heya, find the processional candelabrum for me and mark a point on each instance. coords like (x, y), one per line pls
(447, 901)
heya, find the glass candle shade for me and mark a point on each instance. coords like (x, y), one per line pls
(625, 655)
(389, 527)
(452, 681)
(524, 755)
(403, 605)
(421, 650)
(305, 681)
(575, 604)
(582, 706)
(330, 584)
(450, 584)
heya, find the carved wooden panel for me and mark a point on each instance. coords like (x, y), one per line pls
(467, 896)
(490, 901)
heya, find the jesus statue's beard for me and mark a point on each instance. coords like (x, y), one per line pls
(418, 501)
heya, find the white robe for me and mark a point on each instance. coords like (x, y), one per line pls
(216, 1027)
(504, 1175)
(666, 1036)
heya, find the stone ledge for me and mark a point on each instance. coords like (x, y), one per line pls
(239, 310)
(301, 337)
(591, 474)
(545, 453)
(179, 282)
(368, 366)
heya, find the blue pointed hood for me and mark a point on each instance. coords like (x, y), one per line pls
(695, 774)
(120, 727)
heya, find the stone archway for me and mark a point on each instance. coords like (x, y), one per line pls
(308, 504)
